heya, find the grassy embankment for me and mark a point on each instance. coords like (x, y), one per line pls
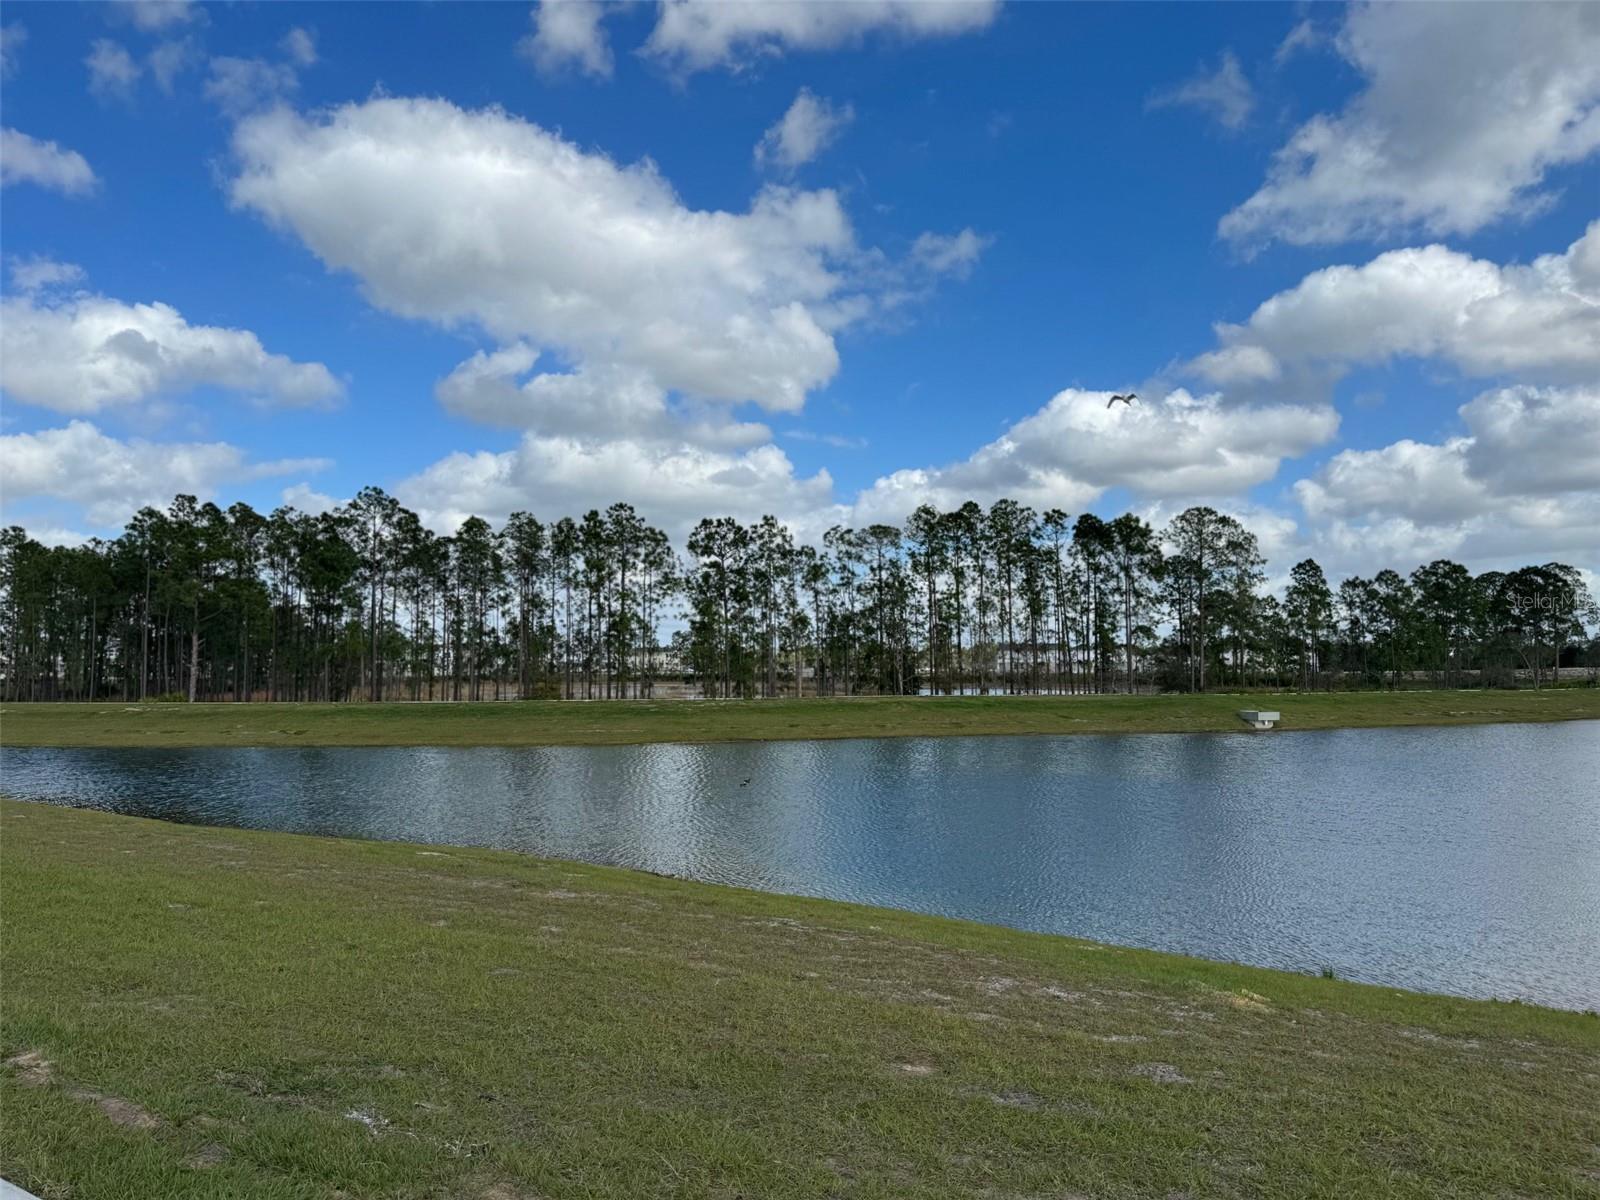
(194, 1012)
(539, 723)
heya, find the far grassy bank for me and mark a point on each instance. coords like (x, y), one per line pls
(618, 722)
(193, 1012)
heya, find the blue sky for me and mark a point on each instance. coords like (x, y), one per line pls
(975, 223)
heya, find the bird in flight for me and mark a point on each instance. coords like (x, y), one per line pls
(1127, 399)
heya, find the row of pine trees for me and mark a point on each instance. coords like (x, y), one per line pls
(366, 602)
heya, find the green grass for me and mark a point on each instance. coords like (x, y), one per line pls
(267, 1015)
(617, 722)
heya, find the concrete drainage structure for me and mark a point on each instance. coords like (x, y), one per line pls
(1258, 719)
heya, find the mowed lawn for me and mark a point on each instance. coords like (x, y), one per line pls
(553, 722)
(194, 1012)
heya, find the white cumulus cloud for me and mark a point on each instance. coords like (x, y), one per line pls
(458, 216)
(301, 46)
(170, 58)
(83, 353)
(1540, 321)
(25, 159)
(568, 33)
(811, 124)
(673, 483)
(111, 479)
(1466, 108)
(112, 70)
(39, 274)
(949, 254)
(697, 35)
(591, 402)
(242, 85)
(1076, 447)
(154, 15)
(1521, 484)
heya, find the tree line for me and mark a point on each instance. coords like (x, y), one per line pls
(197, 602)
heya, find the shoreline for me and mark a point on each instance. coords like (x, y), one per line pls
(644, 722)
(195, 1010)
(451, 849)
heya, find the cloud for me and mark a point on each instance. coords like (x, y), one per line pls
(1303, 37)
(1535, 441)
(1540, 321)
(305, 498)
(54, 535)
(674, 484)
(170, 58)
(38, 274)
(1072, 450)
(698, 35)
(837, 440)
(952, 254)
(12, 38)
(1224, 94)
(85, 353)
(1521, 484)
(626, 327)
(591, 402)
(811, 125)
(242, 85)
(1466, 108)
(567, 33)
(112, 71)
(1420, 481)
(154, 15)
(25, 159)
(112, 479)
(428, 206)
(301, 46)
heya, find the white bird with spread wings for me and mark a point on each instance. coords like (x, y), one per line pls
(1127, 398)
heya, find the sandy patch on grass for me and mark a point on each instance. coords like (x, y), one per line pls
(118, 1111)
(375, 1123)
(1060, 993)
(32, 1067)
(1160, 1073)
(1249, 1001)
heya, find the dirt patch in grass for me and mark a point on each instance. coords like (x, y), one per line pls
(124, 1113)
(32, 1068)
(1160, 1073)
(375, 1123)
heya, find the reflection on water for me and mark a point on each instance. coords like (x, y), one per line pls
(1457, 860)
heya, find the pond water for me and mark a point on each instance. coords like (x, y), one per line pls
(1455, 860)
